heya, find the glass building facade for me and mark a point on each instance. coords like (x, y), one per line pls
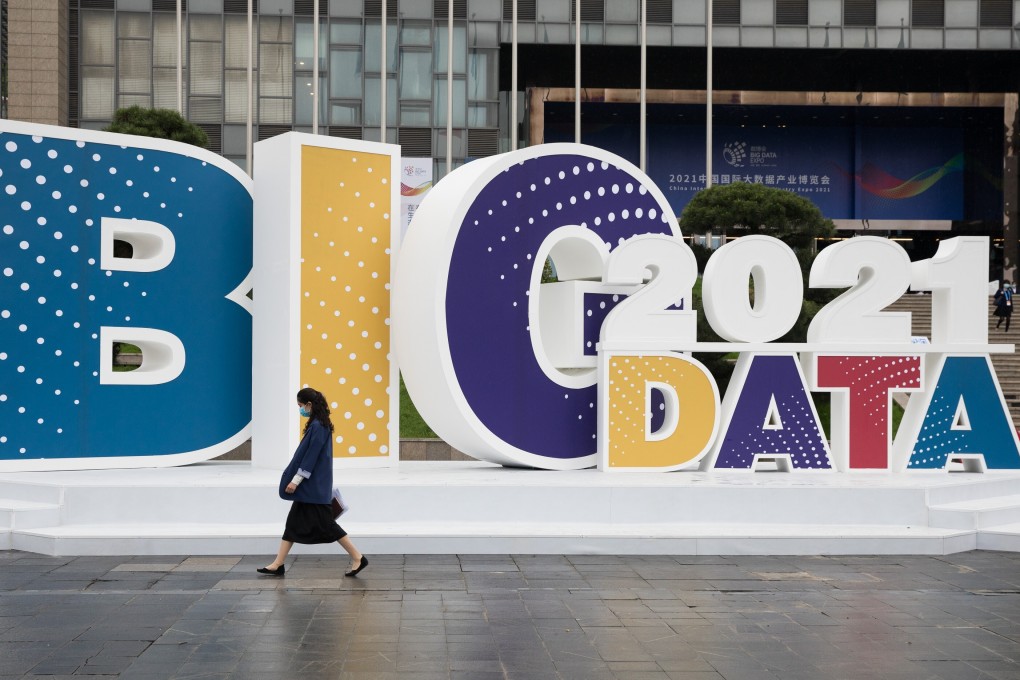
(127, 56)
(124, 52)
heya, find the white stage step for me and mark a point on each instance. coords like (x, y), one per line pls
(508, 538)
(19, 514)
(470, 507)
(1004, 537)
(979, 513)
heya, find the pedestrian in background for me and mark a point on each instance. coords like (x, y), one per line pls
(1004, 304)
(308, 483)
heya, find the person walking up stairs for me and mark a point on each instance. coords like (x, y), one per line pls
(1004, 304)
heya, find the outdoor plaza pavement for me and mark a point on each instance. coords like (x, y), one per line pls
(514, 616)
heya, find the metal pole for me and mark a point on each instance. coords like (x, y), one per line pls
(251, 95)
(449, 86)
(382, 83)
(513, 77)
(180, 63)
(708, 95)
(315, 67)
(577, 72)
(644, 85)
(1010, 182)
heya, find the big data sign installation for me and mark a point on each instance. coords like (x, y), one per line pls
(593, 370)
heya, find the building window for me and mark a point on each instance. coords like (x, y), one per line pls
(134, 59)
(304, 99)
(726, 12)
(371, 111)
(97, 65)
(415, 114)
(235, 75)
(591, 10)
(276, 70)
(304, 47)
(859, 13)
(459, 48)
(459, 103)
(525, 10)
(345, 73)
(415, 74)
(345, 113)
(483, 75)
(345, 32)
(373, 38)
(205, 54)
(996, 13)
(660, 11)
(791, 12)
(928, 13)
(164, 60)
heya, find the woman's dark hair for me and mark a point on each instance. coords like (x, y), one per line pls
(320, 409)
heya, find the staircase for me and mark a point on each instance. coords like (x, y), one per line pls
(1007, 366)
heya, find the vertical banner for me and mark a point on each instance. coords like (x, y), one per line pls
(415, 182)
(325, 235)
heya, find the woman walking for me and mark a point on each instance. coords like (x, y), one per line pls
(308, 482)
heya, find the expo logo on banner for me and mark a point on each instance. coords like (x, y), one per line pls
(590, 371)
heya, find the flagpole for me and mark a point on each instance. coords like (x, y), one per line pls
(251, 94)
(708, 95)
(315, 68)
(382, 83)
(449, 85)
(513, 76)
(180, 63)
(644, 86)
(577, 72)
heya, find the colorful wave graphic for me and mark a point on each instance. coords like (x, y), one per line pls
(407, 190)
(878, 182)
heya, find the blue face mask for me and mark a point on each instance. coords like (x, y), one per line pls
(305, 412)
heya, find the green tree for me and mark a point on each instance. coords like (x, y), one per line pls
(159, 123)
(740, 209)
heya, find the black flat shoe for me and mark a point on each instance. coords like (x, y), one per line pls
(361, 565)
(271, 572)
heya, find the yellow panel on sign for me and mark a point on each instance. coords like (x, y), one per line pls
(345, 280)
(630, 379)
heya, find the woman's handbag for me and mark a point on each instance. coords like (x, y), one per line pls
(338, 504)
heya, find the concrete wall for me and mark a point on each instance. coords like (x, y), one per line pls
(37, 61)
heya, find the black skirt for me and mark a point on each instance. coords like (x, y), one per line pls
(311, 523)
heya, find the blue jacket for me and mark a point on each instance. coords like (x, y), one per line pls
(313, 455)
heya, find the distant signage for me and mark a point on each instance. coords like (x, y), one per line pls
(850, 170)
(415, 182)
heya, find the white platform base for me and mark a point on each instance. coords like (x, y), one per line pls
(457, 507)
